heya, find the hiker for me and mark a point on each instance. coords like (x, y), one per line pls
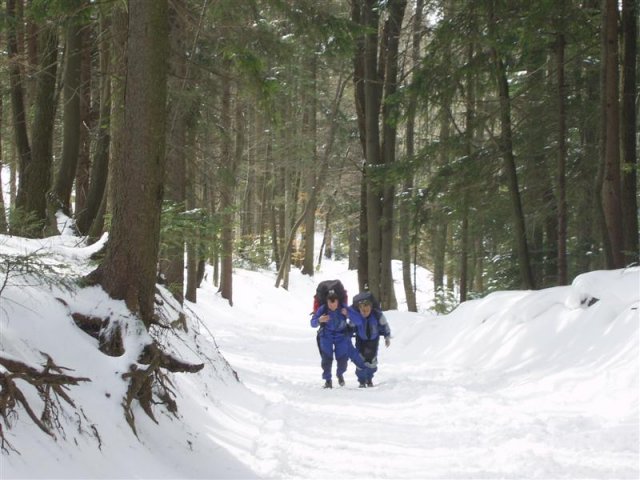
(333, 337)
(370, 324)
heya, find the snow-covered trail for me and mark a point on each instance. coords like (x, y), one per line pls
(516, 385)
(421, 420)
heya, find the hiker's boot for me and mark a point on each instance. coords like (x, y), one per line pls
(369, 383)
(327, 384)
(341, 380)
(362, 385)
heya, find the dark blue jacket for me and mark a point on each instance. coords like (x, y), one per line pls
(375, 324)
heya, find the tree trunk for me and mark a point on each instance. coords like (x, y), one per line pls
(311, 178)
(100, 163)
(17, 100)
(321, 172)
(118, 71)
(439, 247)
(191, 290)
(611, 194)
(561, 196)
(87, 120)
(273, 219)
(36, 179)
(128, 270)
(60, 196)
(588, 210)
(359, 74)
(326, 250)
(363, 246)
(3, 219)
(629, 125)
(407, 194)
(372, 94)
(390, 114)
(353, 248)
(357, 17)
(506, 147)
(478, 282)
(175, 179)
(227, 189)
(282, 276)
(470, 100)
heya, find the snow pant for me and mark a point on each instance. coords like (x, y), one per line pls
(368, 351)
(341, 346)
(338, 344)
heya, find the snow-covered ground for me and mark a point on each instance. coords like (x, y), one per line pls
(521, 384)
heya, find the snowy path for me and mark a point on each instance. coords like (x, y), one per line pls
(515, 385)
(419, 421)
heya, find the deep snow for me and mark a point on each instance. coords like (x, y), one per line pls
(519, 384)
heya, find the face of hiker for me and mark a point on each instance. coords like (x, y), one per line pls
(365, 308)
(332, 303)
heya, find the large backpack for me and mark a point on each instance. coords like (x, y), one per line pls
(323, 289)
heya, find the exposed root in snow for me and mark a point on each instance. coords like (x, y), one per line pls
(50, 383)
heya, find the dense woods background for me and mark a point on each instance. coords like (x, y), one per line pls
(493, 142)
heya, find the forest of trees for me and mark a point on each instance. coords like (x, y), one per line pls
(494, 143)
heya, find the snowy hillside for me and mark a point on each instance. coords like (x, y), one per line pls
(540, 384)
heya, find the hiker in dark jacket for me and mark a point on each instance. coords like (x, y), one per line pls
(370, 324)
(334, 338)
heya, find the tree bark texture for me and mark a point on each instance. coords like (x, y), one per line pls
(172, 263)
(357, 17)
(3, 218)
(129, 269)
(36, 179)
(100, 164)
(506, 148)
(87, 120)
(17, 99)
(405, 224)
(390, 115)
(310, 124)
(227, 188)
(561, 194)
(611, 188)
(372, 96)
(629, 130)
(60, 195)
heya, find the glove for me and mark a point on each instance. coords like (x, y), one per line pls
(387, 341)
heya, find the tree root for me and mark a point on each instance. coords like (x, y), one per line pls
(145, 382)
(50, 383)
(151, 385)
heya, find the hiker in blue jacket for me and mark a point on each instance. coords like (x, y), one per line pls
(334, 338)
(370, 324)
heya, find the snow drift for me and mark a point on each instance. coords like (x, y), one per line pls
(521, 384)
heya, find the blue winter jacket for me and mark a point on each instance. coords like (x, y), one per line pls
(337, 324)
(376, 322)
